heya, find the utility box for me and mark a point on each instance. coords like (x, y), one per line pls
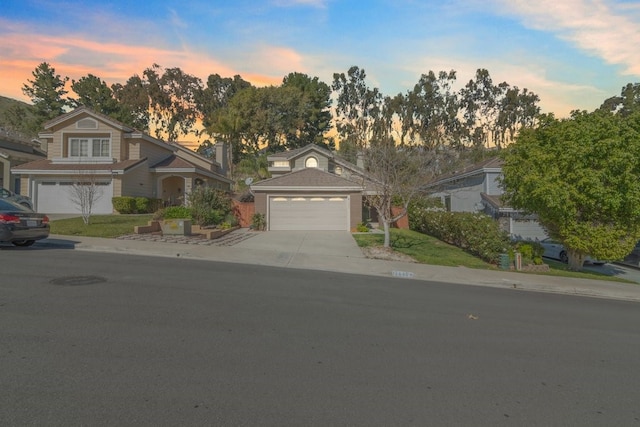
(505, 262)
(181, 227)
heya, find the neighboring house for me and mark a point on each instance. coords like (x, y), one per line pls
(311, 188)
(85, 146)
(477, 189)
(14, 151)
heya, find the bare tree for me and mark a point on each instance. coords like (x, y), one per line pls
(85, 192)
(397, 176)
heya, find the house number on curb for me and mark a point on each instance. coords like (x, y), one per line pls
(404, 274)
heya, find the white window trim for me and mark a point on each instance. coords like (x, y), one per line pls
(89, 150)
(311, 158)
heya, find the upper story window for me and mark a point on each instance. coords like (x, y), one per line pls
(89, 147)
(281, 164)
(311, 162)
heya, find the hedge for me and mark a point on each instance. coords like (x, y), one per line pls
(132, 205)
(476, 233)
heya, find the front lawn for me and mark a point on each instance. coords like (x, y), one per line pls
(424, 249)
(100, 225)
(428, 250)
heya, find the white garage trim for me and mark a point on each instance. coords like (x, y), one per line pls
(54, 196)
(308, 212)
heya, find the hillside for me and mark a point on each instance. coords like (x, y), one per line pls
(5, 105)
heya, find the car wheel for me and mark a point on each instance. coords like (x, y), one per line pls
(23, 242)
(564, 257)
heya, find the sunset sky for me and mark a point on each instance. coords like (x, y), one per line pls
(572, 53)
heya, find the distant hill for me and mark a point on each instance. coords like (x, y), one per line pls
(5, 104)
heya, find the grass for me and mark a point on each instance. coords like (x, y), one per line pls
(99, 226)
(429, 250)
(423, 248)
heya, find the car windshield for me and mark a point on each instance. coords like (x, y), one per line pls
(8, 205)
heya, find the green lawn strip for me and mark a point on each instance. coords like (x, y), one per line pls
(428, 250)
(424, 249)
(562, 270)
(99, 226)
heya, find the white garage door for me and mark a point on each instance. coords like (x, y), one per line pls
(309, 213)
(57, 197)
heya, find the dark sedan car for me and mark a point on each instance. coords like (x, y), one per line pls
(13, 197)
(21, 225)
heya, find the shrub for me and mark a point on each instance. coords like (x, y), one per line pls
(209, 206)
(258, 222)
(476, 233)
(144, 205)
(124, 204)
(362, 228)
(173, 212)
(531, 252)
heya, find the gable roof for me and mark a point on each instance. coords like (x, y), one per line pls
(493, 164)
(129, 131)
(175, 163)
(290, 154)
(307, 179)
(86, 110)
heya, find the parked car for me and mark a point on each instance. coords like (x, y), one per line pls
(21, 225)
(554, 249)
(10, 195)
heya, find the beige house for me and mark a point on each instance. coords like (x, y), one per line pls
(14, 151)
(311, 188)
(85, 146)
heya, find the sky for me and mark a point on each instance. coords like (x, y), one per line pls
(572, 53)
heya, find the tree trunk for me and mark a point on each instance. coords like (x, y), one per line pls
(576, 260)
(387, 238)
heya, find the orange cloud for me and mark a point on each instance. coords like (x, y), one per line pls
(77, 56)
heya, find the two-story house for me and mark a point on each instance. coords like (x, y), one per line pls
(477, 188)
(85, 146)
(16, 150)
(311, 188)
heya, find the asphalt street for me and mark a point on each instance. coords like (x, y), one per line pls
(97, 339)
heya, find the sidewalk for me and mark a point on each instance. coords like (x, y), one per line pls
(313, 256)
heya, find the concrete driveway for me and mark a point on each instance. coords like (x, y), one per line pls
(325, 243)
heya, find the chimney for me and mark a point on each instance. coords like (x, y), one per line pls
(221, 157)
(360, 159)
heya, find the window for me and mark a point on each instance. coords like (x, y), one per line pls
(311, 162)
(89, 147)
(280, 164)
(100, 148)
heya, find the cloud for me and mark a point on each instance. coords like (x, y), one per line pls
(600, 27)
(76, 56)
